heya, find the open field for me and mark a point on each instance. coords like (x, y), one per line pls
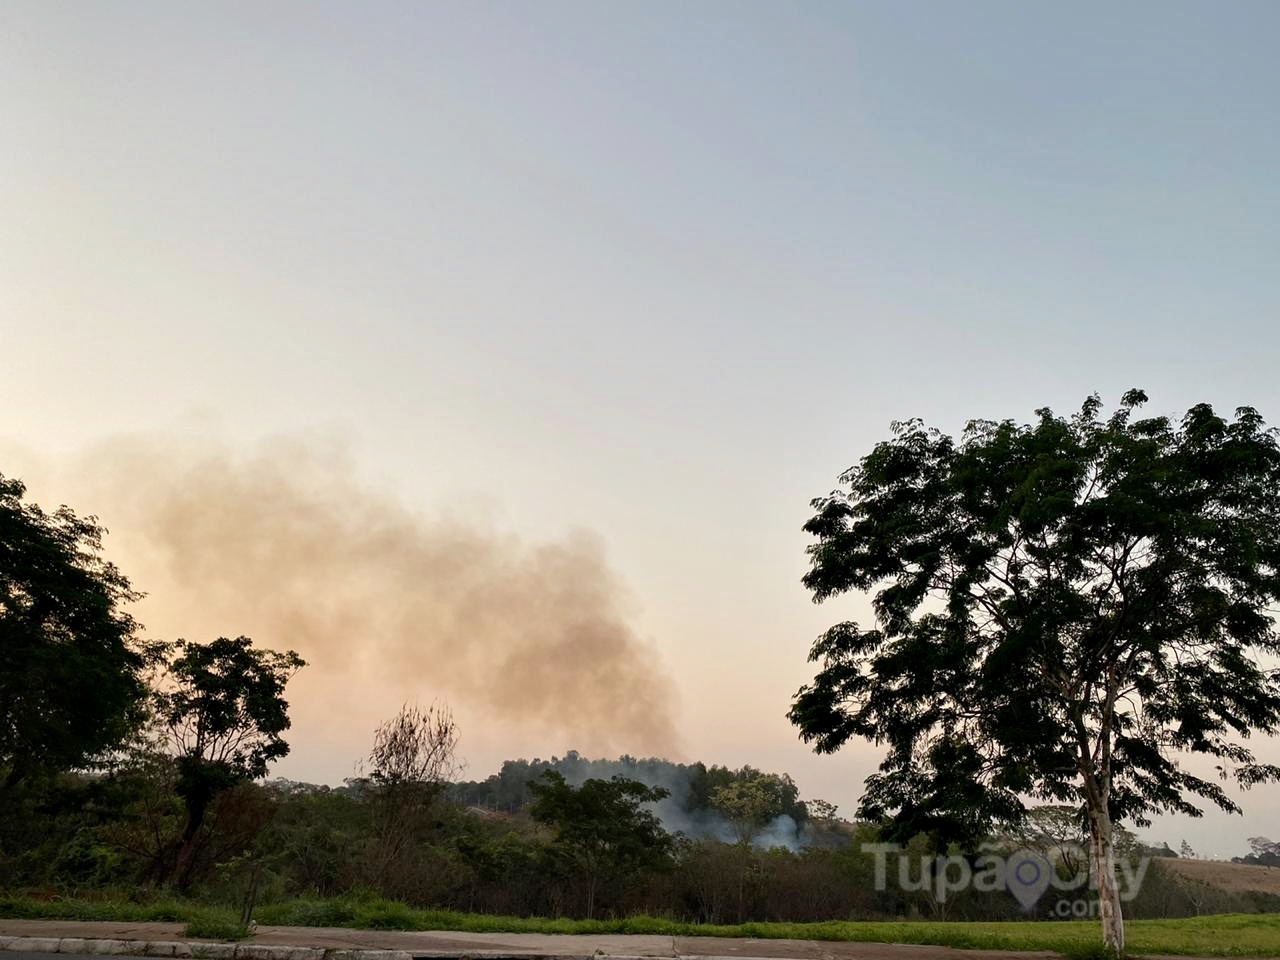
(1229, 935)
(1234, 877)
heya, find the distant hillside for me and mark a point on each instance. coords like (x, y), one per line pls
(1233, 877)
(687, 810)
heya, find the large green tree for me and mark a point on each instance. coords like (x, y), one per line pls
(1065, 610)
(750, 803)
(71, 673)
(222, 711)
(602, 826)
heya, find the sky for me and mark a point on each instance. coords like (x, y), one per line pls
(643, 277)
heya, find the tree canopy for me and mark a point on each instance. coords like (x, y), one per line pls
(751, 803)
(602, 825)
(1064, 609)
(224, 715)
(71, 671)
(226, 705)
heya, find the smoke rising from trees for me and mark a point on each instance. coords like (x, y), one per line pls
(689, 807)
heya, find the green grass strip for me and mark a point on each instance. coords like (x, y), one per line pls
(1232, 935)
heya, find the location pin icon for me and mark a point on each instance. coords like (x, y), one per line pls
(1027, 875)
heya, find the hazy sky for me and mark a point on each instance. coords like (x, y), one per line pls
(659, 271)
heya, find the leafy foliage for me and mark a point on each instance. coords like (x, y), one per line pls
(750, 803)
(226, 707)
(691, 785)
(1062, 609)
(71, 674)
(601, 825)
(224, 716)
(1060, 604)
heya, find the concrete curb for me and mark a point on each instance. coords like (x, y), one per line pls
(456, 954)
(189, 949)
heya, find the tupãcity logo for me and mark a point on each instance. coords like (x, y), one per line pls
(1025, 873)
(1026, 876)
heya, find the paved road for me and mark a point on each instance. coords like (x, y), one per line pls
(445, 945)
(509, 946)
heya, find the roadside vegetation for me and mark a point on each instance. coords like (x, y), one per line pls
(1215, 936)
(365, 854)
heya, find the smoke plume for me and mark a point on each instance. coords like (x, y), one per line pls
(290, 548)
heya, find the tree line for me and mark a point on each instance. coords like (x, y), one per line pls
(595, 850)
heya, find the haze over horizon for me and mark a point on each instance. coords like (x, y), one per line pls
(622, 287)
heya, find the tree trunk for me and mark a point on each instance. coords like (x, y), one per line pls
(186, 859)
(251, 897)
(742, 881)
(1103, 860)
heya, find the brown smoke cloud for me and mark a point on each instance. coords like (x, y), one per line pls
(288, 547)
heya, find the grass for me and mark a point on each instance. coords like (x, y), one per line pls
(202, 921)
(215, 928)
(1241, 935)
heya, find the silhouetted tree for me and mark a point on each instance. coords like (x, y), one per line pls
(822, 811)
(414, 757)
(71, 675)
(1062, 609)
(224, 713)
